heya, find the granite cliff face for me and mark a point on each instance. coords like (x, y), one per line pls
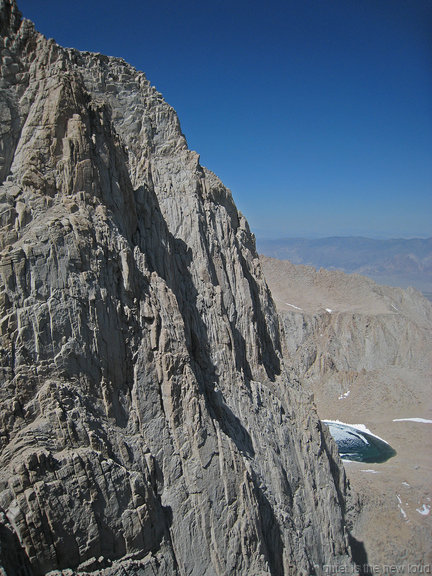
(148, 423)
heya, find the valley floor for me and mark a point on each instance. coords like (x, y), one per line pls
(395, 522)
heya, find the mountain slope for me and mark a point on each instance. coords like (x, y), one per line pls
(365, 352)
(148, 422)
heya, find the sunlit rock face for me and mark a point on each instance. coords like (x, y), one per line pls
(148, 424)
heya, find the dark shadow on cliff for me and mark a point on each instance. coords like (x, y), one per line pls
(358, 550)
(271, 533)
(229, 422)
(266, 346)
(13, 558)
(359, 556)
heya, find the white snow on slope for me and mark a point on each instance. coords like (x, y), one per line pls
(400, 507)
(292, 306)
(421, 420)
(424, 510)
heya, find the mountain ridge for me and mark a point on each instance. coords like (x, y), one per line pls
(396, 262)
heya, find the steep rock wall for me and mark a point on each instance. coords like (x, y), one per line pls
(148, 422)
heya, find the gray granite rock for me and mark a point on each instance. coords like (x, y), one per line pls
(148, 424)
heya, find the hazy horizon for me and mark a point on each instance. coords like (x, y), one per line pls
(316, 115)
(268, 236)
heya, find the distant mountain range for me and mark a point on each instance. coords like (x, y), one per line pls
(396, 262)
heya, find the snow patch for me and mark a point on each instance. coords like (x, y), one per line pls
(421, 420)
(342, 396)
(370, 470)
(402, 511)
(424, 510)
(329, 310)
(292, 306)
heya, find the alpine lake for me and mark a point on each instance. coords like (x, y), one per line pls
(357, 445)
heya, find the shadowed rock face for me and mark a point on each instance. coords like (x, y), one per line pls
(148, 423)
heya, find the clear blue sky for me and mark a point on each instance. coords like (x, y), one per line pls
(316, 113)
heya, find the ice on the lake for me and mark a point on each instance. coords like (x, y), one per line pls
(357, 444)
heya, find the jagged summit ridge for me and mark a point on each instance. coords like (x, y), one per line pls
(148, 423)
